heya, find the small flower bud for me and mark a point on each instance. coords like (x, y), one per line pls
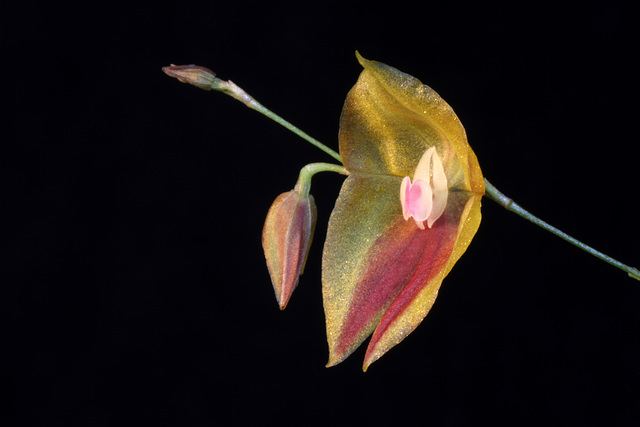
(286, 239)
(195, 75)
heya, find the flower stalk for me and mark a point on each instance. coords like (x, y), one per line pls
(304, 180)
(208, 81)
(506, 202)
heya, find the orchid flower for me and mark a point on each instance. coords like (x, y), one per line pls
(385, 256)
(381, 273)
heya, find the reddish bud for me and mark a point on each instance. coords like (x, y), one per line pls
(286, 239)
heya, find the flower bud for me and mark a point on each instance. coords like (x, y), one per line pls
(195, 75)
(286, 239)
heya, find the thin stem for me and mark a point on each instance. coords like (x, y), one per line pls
(494, 194)
(238, 93)
(206, 79)
(304, 180)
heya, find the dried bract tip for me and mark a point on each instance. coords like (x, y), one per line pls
(195, 75)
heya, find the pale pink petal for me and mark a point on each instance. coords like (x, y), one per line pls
(423, 170)
(440, 190)
(404, 192)
(419, 200)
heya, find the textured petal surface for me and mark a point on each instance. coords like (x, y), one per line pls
(441, 246)
(382, 273)
(390, 119)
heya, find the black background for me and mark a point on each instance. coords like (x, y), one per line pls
(134, 289)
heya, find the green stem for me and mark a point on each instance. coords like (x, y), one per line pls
(205, 79)
(304, 180)
(494, 194)
(233, 90)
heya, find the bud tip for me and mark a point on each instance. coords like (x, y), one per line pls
(195, 75)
